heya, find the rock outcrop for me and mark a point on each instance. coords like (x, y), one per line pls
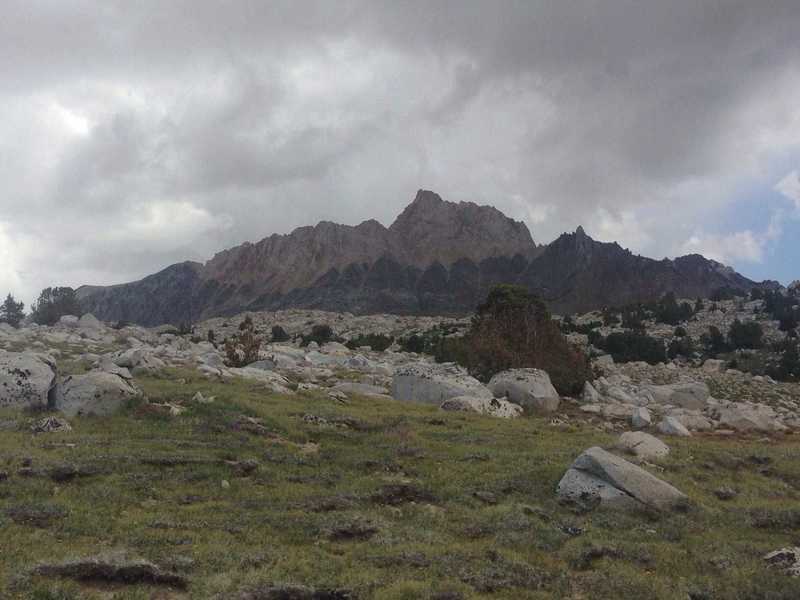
(27, 380)
(494, 407)
(433, 384)
(529, 388)
(599, 478)
(95, 393)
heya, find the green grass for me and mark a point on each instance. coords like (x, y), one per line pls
(153, 489)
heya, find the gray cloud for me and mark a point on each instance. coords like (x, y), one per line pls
(138, 134)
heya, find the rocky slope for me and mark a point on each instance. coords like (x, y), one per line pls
(438, 257)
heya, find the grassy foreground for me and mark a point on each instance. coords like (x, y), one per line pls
(384, 499)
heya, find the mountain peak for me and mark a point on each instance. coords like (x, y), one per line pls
(437, 257)
(427, 197)
(431, 228)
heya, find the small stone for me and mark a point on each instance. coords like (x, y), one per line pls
(726, 493)
(225, 484)
(641, 418)
(672, 426)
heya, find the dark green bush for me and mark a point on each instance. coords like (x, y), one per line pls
(725, 293)
(668, 311)
(376, 341)
(745, 335)
(513, 329)
(713, 342)
(321, 334)
(631, 346)
(279, 334)
(680, 346)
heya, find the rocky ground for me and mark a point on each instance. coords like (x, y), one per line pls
(135, 463)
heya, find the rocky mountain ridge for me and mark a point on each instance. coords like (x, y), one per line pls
(438, 257)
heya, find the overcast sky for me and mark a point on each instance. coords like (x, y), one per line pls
(138, 134)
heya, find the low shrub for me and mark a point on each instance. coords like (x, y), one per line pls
(321, 334)
(279, 334)
(631, 346)
(243, 348)
(376, 341)
(745, 335)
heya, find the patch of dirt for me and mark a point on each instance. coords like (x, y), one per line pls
(113, 570)
(397, 494)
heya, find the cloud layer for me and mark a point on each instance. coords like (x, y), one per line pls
(139, 134)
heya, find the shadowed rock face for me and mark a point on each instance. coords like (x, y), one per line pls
(437, 258)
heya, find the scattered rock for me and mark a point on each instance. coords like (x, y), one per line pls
(51, 425)
(433, 384)
(599, 477)
(786, 560)
(200, 399)
(725, 493)
(529, 388)
(643, 445)
(672, 426)
(96, 393)
(641, 418)
(486, 406)
(589, 395)
(747, 417)
(27, 380)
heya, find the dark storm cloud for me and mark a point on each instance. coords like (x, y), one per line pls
(136, 134)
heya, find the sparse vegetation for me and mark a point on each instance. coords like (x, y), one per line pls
(243, 348)
(319, 495)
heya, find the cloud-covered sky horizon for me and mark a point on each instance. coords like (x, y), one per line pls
(136, 135)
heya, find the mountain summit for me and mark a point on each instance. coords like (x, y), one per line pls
(438, 257)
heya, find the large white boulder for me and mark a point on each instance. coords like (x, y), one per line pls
(597, 476)
(641, 418)
(27, 379)
(590, 395)
(487, 406)
(89, 321)
(68, 321)
(140, 360)
(643, 445)
(672, 426)
(96, 393)
(744, 416)
(530, 388)
(693, 395)
(433, 384)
